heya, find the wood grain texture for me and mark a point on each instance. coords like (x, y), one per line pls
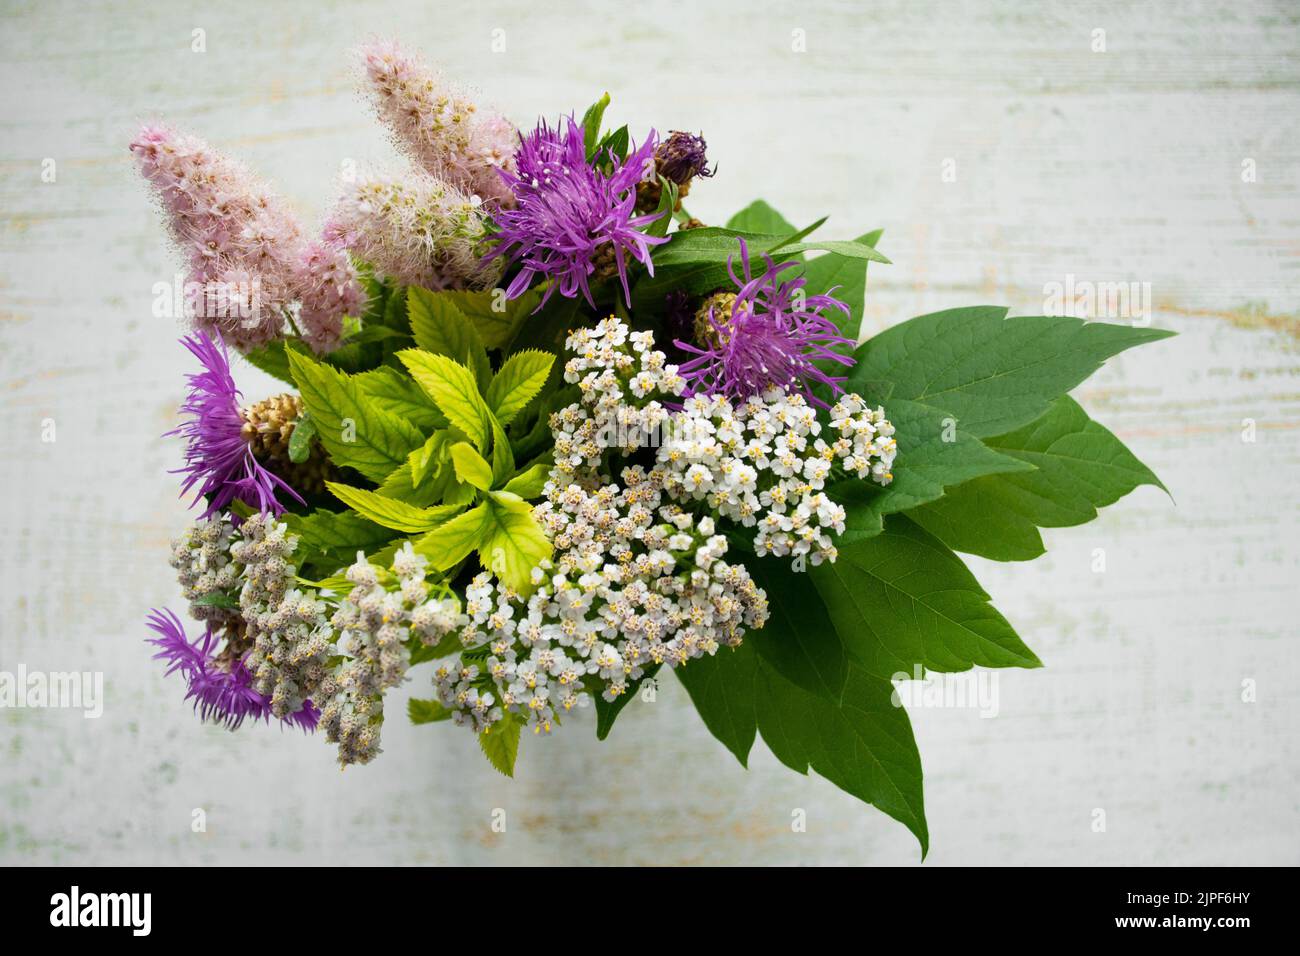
(1123, 165)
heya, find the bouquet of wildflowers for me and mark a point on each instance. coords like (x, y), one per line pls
(548, 437)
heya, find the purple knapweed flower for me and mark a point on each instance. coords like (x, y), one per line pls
(769, 338)
(222, 693)
(568, 209)
(218, 458)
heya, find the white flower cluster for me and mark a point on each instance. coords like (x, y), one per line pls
(765, 463)
(634, 583)
(201, 558)
(291, 636)
(374, 625)
(617, 372)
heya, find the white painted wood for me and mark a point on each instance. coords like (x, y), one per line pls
(1122, 165)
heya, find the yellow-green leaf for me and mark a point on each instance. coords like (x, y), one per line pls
(353, 429)
(439, 326)
(529, 483)
(513, 543)
(470, 466)
(500, 742)
(517, 383)
(454, 390)
(450, 543)
(496, 318)
(389, 512)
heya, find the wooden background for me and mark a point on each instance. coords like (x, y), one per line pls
(1117, 165)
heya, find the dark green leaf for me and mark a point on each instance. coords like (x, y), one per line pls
(934, 453)
(607, 712)
(902, 598)
(723, 689)
(799, 641)
(993, 373)
(1080, 467)
(759, 217)
(848, 278)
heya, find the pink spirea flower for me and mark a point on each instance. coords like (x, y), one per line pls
(437, 124)
(416, 229)
(248, 259)
(239, 239)
(328, 289)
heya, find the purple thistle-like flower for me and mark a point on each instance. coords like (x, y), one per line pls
(566, 209)
(222, 694)
(771, 339)
(217, 456)
(681, 158)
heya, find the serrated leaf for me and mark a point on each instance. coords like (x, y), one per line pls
(453, 389)
(529, 483)
(439, 326)
(426, 711)
(513, 542)
(903, 598)
(503, 458)
(397, 393)
(864, 745)
(934, 453)
(798, 641)
(1079, 467)
(452, 542)
(402, 486)
(335, 537)
(607, 711)
(723, 689)
(353, 430)
(517, 383)
(389, 512)
(496, 318)
(304, 430)
(993, 373)
(500, 742)
(470, 466)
